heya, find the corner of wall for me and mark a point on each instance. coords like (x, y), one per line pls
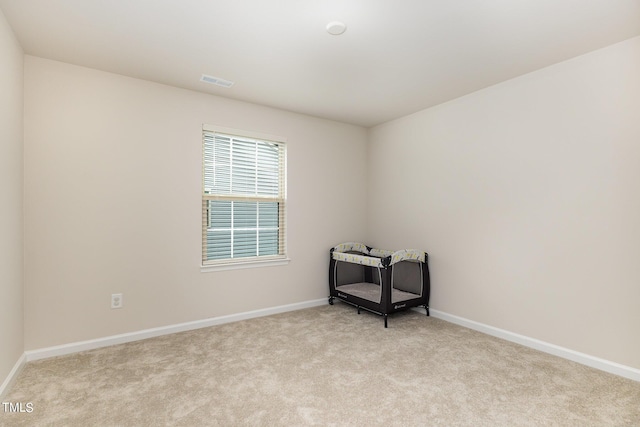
(12, 206)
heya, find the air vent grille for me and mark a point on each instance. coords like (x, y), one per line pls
(216, 81)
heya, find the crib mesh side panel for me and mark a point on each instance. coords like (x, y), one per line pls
(407, 276)
(347, 273)
(372, 275)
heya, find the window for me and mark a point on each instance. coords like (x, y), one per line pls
(243, 198)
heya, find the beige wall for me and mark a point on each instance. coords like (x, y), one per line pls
(11, 185)
(112, 204)
(527, 196)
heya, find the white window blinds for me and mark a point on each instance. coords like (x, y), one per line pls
(243, 198)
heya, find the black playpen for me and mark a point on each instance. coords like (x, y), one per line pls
(378, 280)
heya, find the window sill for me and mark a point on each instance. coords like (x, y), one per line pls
(242, 264)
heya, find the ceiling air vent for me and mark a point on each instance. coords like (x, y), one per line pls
(216, 81)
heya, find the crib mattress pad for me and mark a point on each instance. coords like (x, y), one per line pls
(371, 292)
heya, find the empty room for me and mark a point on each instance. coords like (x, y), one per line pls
(180, 180)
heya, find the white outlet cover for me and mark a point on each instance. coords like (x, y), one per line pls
(116, 301)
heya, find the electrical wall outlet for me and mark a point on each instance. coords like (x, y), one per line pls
(116, 300)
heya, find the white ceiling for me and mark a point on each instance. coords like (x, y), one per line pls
(396, 57)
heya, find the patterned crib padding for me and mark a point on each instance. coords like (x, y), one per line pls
(372, 257)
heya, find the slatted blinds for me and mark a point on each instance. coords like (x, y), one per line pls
(243, 198)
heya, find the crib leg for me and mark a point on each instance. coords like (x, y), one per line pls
(426, 307)
(330, 300)
(358, 309)
(385, 320)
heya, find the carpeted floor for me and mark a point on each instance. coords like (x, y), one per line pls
(324, 366)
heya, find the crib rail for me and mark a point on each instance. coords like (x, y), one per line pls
(359, 253)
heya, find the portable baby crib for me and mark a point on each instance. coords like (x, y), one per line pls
(378, 280)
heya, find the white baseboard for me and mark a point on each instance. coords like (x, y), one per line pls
(565, 353)
(13, 375)
(60, 350)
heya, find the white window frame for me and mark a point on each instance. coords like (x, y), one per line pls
(256, 261)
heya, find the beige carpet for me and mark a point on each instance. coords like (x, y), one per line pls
(324, 366)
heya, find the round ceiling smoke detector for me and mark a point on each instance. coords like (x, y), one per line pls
(336, 28)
